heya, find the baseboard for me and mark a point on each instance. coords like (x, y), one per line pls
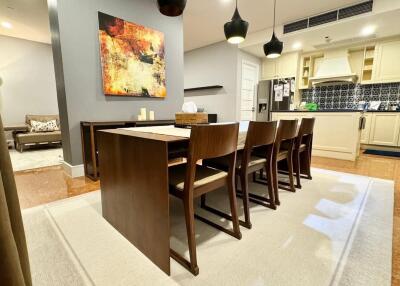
(334, 154)
(379, 147)
(73, 171)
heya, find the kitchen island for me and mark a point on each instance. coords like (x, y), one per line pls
(336, 133)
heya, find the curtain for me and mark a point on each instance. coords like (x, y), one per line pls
(14, 261)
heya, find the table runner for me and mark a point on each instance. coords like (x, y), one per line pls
(171, 130)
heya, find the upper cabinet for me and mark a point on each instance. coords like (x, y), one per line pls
(388, 62)
(309, 65)
(282, 67)
(368, 64)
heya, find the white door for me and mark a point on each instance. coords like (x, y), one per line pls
(248, 91)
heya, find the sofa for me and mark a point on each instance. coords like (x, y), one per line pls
(23, 139)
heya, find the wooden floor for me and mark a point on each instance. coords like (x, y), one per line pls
(49, 184)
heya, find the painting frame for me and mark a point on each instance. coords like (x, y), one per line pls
(132, 58)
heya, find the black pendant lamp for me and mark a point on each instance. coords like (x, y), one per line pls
(171, 8)
(236, 29)
(274, 47)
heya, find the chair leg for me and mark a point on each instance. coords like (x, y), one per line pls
(244, 182)
(275, 181)
(296, 162)
(270, 182)
(291, 179)
(308, 164)
(189, 218)
(217, 212)
(203, 201)
(233, 204)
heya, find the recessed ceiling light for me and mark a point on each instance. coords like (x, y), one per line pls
(296, 46)
(6, 25)
(368, 30)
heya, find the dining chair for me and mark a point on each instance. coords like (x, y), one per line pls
(302, 150)
(191, 180)
(261, 136)
(286, 134)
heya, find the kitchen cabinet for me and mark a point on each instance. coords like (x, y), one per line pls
(269, 69)
(336, 134)
(385, 128)
(282, 67)
(309, 66)
(365, 133)
(388, 62)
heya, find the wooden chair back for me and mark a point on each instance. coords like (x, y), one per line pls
(259, 135)
(211, 141)
(287, 131)
(305, 131)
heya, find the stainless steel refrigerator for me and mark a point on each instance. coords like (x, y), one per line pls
(267, 101)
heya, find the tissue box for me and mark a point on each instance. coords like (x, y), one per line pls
(182, 118)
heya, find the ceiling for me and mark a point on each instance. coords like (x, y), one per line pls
(341, 33)
(204, 19)
(29, 19)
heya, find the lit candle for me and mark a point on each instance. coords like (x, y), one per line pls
(151, 115)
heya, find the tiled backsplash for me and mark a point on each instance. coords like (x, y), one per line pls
(347, 96)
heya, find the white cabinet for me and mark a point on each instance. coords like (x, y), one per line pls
(367, 129)
(385, 129)
(287, 65)
(282, 67)
(388, 62)
(336, 134)
(269, 69)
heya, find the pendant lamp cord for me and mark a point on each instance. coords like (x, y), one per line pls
(273, 29)
(236, 4)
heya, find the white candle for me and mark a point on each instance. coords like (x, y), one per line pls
(151, 115)
(143, 113)
(139, 117)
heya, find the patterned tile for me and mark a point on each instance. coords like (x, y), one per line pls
(347, 96)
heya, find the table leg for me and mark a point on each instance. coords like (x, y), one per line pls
(134, 192)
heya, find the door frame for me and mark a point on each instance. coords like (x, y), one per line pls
(239, 98)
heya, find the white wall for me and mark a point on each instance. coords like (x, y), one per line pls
(217, 64)
(213, 65)
(29, 86)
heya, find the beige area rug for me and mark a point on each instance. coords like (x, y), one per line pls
(337, 230)
(32, 159)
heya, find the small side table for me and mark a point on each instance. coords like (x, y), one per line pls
(15, 129)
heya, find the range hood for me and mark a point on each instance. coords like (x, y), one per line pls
(334, 68)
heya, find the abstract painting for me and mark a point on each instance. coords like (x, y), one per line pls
(132, 58)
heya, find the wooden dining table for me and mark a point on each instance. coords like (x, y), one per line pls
(134, 183)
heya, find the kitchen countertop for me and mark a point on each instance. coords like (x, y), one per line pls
(336, 110)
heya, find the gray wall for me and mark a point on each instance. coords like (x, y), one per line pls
(213, 65)
(29, 85)
(217, 64)
(74, 26)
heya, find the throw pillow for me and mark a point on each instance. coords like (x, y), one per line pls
(49, 126)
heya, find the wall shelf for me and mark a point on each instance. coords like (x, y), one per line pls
(203, 87)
